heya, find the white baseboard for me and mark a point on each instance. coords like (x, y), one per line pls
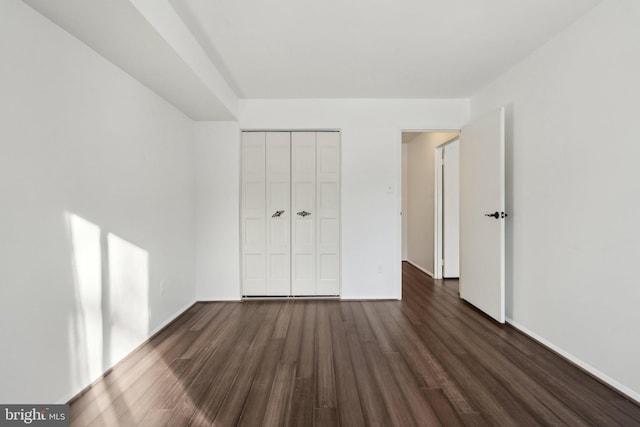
(424, 270)
(576, 361)
(169, 320)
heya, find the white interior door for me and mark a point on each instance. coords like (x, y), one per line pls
(303, 208)
(328, 213)
(253, 225)
(482, 194)
(451, 210)
(278, 202)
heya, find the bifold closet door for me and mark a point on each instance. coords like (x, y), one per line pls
(315, 165)
(253, 226)
(278, 213)
(266, 202)
(303, 204)
(328, 213)
(290, 213)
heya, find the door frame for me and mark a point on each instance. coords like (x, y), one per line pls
(438, 215)
(398, 186)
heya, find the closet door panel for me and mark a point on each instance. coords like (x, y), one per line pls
(328, 213)
(253, 225)
(303, 170)
(278, 215)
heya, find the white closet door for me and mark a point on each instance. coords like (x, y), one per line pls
(278, 176)
(253, 214)
(303, 204)
(328, 213)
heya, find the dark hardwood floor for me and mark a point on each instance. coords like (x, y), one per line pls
(430, 359)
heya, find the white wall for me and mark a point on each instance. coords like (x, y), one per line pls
(371, 163)
(420, 205)
(573, 191)
(218, 211)
(96, 185)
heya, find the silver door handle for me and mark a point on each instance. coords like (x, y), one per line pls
(304, 213)
(277, 214)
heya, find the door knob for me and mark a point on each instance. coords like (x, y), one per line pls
(497, 215)
(277, 214)
(304, 213)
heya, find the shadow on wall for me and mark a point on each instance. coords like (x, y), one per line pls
(111, 309)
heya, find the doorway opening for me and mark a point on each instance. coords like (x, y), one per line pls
(428, 201)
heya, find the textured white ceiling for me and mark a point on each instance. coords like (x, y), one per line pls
(371, 48)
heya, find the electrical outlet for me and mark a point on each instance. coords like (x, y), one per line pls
(380, 268)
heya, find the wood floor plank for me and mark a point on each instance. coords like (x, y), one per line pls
(380, 332)
(481, 398)
(423, 413)
(373, 408)
(325, 417)
(306, 360)
(430, 359)
(256, 402)
(233, 404)
(302, 403)
(155, 418)
(209, 367)
(365, 333)
(122, 406)
(425, 364)
(212, 400)
(425, 369)
(325, 373)
(291, 350)
(154, 395)
(484, 356)
(474, 419)
(443, 408)
(279, 403)
(212, 310)
(283, 321)
(216, 327)
(349, 410)
(399, 413)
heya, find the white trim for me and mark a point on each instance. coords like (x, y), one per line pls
(438, 254)
(166, 322)
(240, 263)
(234, 299)
(424, 270)
(576, 361)
(400, 213)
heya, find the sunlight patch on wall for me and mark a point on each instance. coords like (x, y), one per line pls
(128, 296)
(86, 330)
